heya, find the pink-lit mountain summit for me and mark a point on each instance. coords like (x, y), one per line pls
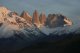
(10, 21)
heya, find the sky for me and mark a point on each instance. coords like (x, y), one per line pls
(69, 8)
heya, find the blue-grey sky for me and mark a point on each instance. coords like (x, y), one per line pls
(69, 8)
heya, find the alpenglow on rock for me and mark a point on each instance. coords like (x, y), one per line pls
(10, 19)
(57, 20)
(36, 21)
(3, 12)
(26, 16)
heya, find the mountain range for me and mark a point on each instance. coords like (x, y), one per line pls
(18, 31)
(11, 21)
(53, 20)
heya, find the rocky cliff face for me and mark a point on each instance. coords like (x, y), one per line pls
(42, 19)
(25, 20)
(12, 20)
(26, 16)
(67, 21)
(57, 20)
(3, 12)
(36, 21)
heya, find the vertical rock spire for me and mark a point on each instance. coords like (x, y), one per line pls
(42, 19)
(36, 21)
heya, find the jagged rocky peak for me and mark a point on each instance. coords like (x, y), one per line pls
(3, 12)
(36, 21)
(42, 19)
(9, 19)
(6, 21)
(25, 20)
(26, 16)
(58, 20)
